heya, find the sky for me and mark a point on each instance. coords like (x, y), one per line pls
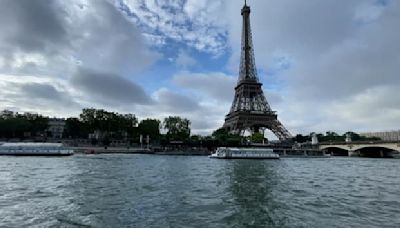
(325, 65)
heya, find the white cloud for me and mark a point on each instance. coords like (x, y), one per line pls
(369, 11)
(184, 60)
(194, 23)
(214, 86)
(45, 95)
(174, 103)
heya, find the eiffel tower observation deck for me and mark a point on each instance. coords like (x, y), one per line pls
(250, 109)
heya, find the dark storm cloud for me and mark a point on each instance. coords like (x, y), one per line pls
(41, 96)
(110, 89)
(176, 103)
(32, 25)
(38, 90)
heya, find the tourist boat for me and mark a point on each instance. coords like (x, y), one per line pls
(396, 155)
(38, 149)
(244, 153)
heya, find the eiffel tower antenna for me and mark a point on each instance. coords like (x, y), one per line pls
(250, 109)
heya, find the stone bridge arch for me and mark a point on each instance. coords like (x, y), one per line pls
(367, 149)
(336, 150)
(394, 147)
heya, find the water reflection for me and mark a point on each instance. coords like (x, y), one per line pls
(253, 187)
(154, 191)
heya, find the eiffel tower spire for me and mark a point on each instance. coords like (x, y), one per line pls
(248, 69)
(250, 109)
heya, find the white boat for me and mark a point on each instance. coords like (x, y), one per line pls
(244, 153)
(396, 155)
(38, 149)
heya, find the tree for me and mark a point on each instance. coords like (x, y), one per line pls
(221, 135)
(107, 123)
(196, 140)
(257, 137)
(150, 127)
(224, 138)
(74, 128)
(38, 123)
(89, 118)
(302, 139)
(330, 136)
(356, 137)
(14, 125)
(177, 128)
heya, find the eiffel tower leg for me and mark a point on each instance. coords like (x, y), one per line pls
(280, 131)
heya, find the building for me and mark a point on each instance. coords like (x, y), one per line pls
(56, 127)
(385, 136)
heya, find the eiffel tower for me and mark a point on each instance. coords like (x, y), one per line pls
(250, 109)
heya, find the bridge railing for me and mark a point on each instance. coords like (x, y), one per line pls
(358, 142)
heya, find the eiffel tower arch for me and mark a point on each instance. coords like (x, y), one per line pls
(250, 109)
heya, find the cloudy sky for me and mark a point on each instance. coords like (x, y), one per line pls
(325, 65)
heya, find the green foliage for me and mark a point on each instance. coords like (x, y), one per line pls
(196, 140)
(74, 128)
(15, 125)
(150, 127)
(177, 128)
(331, 136)
(356, 137)
(224, 138)
(210, 142)
(257, 137)
(101, 120)
(221, 135)
(111, 124)
(302, 139)
(234, 140)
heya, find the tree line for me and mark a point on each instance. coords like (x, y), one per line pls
(97, 124)
(104, 125)
(26, 125)
(101, 126)
(331, 136)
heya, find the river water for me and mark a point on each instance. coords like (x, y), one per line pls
(179, 191)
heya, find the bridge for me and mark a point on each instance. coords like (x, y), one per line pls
(364, 149)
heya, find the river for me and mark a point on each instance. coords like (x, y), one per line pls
(180, 191)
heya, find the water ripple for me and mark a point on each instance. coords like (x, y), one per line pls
(173, 191)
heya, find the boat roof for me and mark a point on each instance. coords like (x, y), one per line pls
(245, 148)
(30, 144)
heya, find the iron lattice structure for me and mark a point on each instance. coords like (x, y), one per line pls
(250, 109)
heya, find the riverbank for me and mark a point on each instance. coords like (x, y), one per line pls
(111, 150)
(139, 150)
(184, 152)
